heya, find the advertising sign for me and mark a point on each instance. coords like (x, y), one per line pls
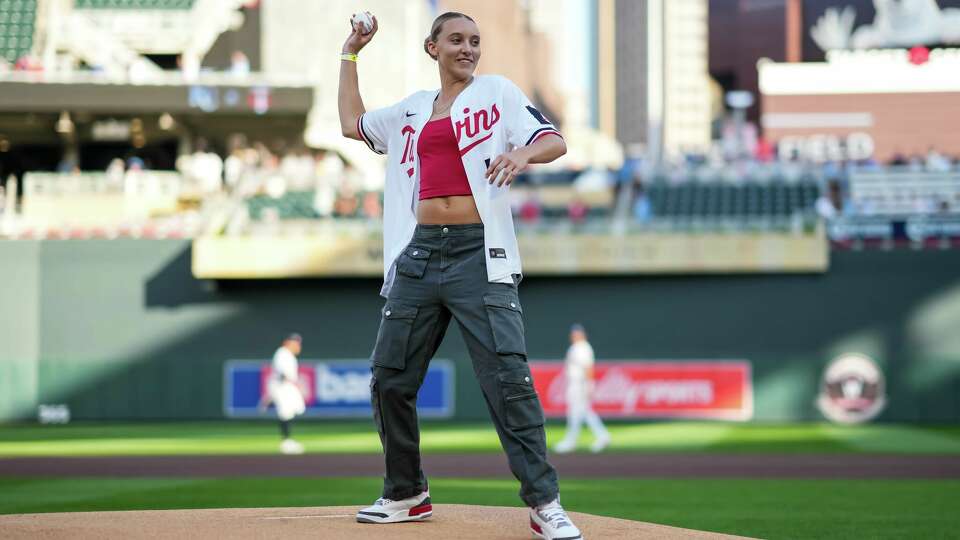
(332, 388)
(656, 389)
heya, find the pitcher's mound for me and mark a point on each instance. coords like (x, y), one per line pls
(449, 521)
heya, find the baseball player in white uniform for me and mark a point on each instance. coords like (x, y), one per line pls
(578, 371)
(284, 390)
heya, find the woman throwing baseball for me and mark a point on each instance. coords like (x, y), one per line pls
(450, 252)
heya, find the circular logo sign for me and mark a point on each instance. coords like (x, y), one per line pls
(852, 390)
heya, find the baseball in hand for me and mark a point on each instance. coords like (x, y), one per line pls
(364, 20)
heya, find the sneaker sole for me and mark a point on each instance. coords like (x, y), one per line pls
(417, 513)
(538, 532)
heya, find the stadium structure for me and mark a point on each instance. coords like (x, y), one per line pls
(173, 196)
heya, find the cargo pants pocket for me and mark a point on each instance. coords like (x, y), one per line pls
(375, 406)
(506, 321)
(520, 402)
(394, 335)
(412, 262)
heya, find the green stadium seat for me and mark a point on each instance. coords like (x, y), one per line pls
(17, 20)
(134, 4)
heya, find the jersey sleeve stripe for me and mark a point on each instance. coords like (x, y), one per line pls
(364, 136)
(540, 133)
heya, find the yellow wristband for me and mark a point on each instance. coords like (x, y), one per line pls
(348, 56)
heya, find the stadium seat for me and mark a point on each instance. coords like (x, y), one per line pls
(17, 19)
(716, 199)
(134, 4)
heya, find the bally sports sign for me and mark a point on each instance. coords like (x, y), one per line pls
(332, 389)
(656, 389)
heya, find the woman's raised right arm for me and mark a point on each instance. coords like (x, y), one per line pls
(349, 101)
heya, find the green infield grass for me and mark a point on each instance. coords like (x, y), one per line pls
(758, 508)
(163, 438)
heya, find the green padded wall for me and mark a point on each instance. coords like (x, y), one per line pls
(121, 330)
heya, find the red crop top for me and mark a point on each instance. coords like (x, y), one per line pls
(441, 171)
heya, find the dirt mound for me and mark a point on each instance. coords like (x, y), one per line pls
(455, 521)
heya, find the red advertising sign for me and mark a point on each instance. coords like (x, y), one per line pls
(662, 389)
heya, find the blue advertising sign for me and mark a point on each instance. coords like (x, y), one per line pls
(331, 388)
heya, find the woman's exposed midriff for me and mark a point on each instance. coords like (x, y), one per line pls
(453, 210)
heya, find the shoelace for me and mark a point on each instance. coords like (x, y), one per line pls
(556, 516)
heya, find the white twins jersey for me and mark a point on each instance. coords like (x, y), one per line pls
(285, 363)
(579, 359)
(490, 117)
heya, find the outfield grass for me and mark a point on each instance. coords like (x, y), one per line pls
(758, 508)
(360, 437)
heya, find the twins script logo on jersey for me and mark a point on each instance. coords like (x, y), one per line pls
(408, 148)
(472, 125)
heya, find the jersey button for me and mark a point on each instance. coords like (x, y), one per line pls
(387, 313)
(445, 230)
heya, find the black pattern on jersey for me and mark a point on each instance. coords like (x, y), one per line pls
(538, 115)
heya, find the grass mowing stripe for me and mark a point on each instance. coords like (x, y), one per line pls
(359, 437)
(759, 508)
(893, 438)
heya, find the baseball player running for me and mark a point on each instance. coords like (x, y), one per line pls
(578, 371)
(450, 252)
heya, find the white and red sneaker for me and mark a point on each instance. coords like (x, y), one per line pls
(550, 521)
(416, 508)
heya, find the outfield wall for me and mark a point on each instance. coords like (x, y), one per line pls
(119, 329)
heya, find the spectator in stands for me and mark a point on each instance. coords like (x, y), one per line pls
(239, 64)
(631, 169)
(324, 197)
(937, 162)
(189, 64)
(298, 168)
(916, 163)
(234, 167)
(642, 209)
(830, 203)
(28, 62)
(577, 210)
(372, 209)
(898, 159)
(275, 185)
(67, 165)
(206, 168)
(114, 172)
(531, 209)
(765, 152)
(347, 202)
(869, 165)
(352, 176)
(135, 163)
